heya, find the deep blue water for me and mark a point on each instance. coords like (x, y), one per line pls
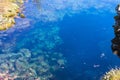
(81, 33)
(86, 38)
(86, 44)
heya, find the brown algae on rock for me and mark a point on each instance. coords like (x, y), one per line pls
(9, 9)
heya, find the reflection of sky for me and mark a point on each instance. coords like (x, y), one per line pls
(53, 10)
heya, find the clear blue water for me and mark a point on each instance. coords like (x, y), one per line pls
(70, 41)
(86, 38)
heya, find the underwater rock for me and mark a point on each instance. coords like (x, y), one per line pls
(8, 11)
(116, 41)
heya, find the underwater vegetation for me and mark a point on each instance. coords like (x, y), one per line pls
(31, 56)
(46, 38)
(27, 52)
(113, 74)
(41, 38)
(23, 66)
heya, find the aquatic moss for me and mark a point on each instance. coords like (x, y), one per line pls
(22, 67)
(113, 74)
